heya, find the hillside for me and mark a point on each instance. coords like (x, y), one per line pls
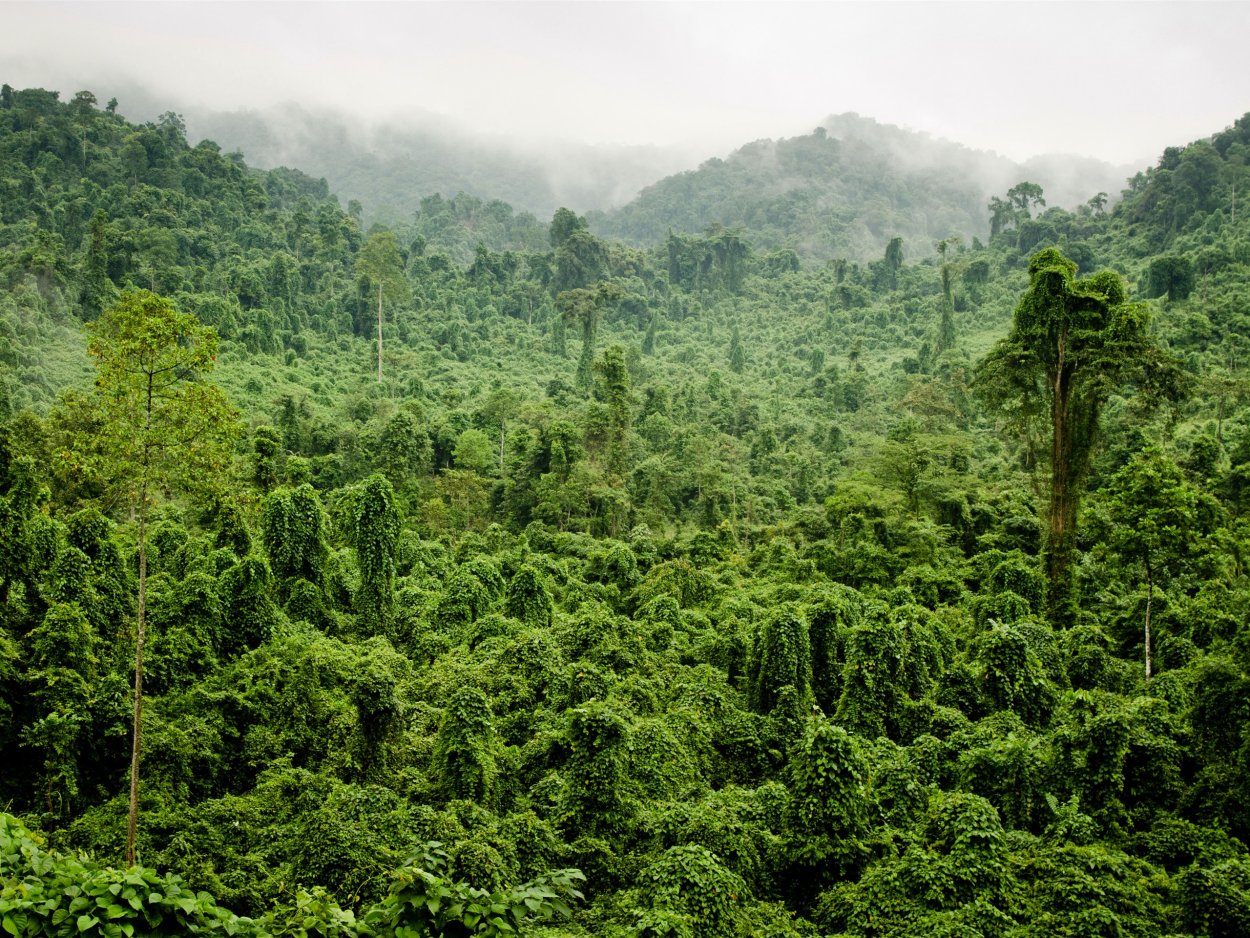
(846, 189)
(389, 167)
(686, 589)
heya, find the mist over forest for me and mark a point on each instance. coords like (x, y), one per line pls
(411, 531)
(389, 165)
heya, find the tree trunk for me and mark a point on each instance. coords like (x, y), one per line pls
(379, 334)
(1150, 595)
(132, 817)
(132, 820)
(1064, 502)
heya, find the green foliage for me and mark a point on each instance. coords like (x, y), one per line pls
(424, 901)
(691, 885)
(528, 598)
(597, 799)
(547, 624)
(1073, 343)
(293, 531)
(781, 656)
(44, 893)
(464, 752)
(827, 814)
(1012, 677)
(373, 529)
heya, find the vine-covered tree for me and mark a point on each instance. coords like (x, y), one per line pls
(373, 526)
(1072, 344)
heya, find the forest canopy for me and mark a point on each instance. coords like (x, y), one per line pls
(482, 575)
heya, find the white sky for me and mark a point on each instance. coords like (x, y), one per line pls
(1114, 80)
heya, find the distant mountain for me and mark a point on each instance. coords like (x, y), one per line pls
(848, 188)
(842, 191)
(390, 167)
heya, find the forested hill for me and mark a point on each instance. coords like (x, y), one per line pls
(691, 590)
(389, 167)
(845, 190)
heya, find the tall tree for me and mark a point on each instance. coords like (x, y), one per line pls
(164, 428)
(380, 263)
(584, 307)
(893, 261)
(1153, 514)
(946, 327)
(1025, 196)
(373, 526)
(1072, 344)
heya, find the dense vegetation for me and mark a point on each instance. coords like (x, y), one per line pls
(725, 580)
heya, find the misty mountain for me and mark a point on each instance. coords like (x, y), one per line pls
(849, 187)
(390, 167)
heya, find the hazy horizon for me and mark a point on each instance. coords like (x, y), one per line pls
(1114, 81)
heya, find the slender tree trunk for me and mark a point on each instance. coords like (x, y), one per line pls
(1150, 595)
(132, 820)
(1064, 499)
(379, 334)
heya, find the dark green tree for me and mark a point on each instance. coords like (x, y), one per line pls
(464, 752)
(827, 813)
(737, 357)
(893, 262)
(584, 307)
(781, 656)
(293, 531)
(373, 529)
(1072, 344)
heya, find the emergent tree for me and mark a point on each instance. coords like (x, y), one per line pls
(163, 428)
(1073, 343)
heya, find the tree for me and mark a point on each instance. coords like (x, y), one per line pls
(1072, 343)
(584, 307)
(946, 328)
(97, 289)
(612, 388)
(381, 264)
(464, 751)
(825, 816)
(737, 357)
(781, 656)
(164, 428)
(1025, 196)
(893, 261)
(1152, 510)
(1171, 276)
(373, 529)
(1001, 215)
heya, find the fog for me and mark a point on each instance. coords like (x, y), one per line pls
(1116, 81)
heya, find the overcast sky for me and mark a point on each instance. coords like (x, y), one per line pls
(1114, 80)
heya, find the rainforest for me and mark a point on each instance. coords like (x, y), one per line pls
(813, 546)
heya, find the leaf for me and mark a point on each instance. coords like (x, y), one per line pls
(85, 922)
